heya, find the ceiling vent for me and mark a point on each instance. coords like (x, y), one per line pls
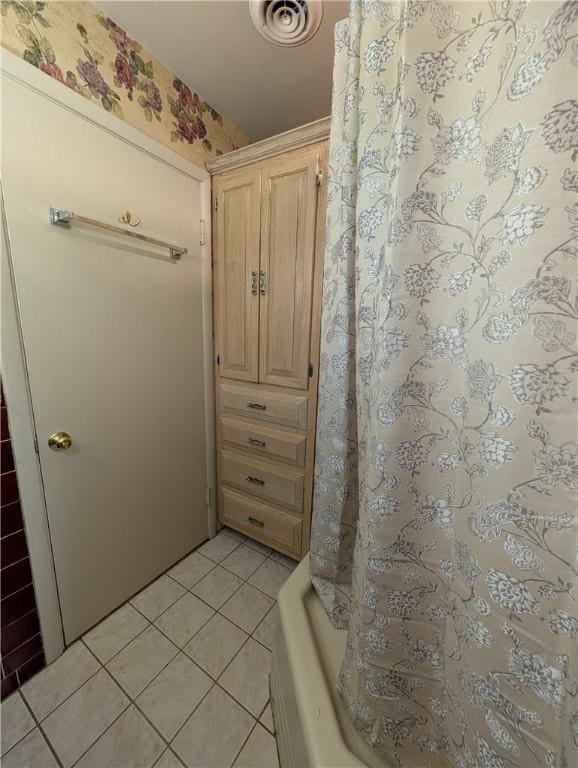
(287, 22)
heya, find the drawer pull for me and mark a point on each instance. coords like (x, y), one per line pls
(262, 283)
(254, 521)
(257, 406)
(258, 443)
(255, 480)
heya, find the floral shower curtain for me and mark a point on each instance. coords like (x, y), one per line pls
(445, 529)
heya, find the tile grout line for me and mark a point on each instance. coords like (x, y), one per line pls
(182, 650)
(43, 733)
(189, 590)
(82, 639)
(266, 727)
(221, 687)
(100, 735)
(226, 667)
(47, 715)
(132, 702)
(36, 725)
(250, 636)
(28, 639)
(192, 552)
(124, 690)
(49, 744)
(102, 666)
(242, 747)
(5, 567)
(149, 623)
(214, 682)
(218, 610)
(144, 590)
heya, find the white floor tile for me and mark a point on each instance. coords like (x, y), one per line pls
(256, 545)
(46, 690)
(270, 577)
(267, 630)
(218, 548)
(168, 759)
(129, 743)
(157, 597)
(217, 587)
(266, 719)
(116, 631)
(260, 751)
(16, 721)
(233, 534)
(247, 607)
(247, 676)
(31, 752)
(88, 718)
(288, 562)
(215, 732)
(183, 619)
(136, 665)
(82, 718)
(215, 645)
(191, 570)
(243, 561)
(172, 695)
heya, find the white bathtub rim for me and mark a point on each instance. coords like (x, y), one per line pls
(324, 741)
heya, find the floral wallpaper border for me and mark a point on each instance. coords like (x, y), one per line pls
(76, 44)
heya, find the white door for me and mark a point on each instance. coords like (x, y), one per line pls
(113, 335)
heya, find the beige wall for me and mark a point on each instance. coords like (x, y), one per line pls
(73, 42)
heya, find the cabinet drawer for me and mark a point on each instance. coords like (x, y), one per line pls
(264, 405)
(260, 521)
(262, 440)
(264, 479)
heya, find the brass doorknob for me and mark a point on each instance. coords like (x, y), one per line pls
(59, 441)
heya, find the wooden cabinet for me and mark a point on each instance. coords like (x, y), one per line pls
(264, 404)
(237, 272)
(268, 442)
(288, 215)
(269, 218)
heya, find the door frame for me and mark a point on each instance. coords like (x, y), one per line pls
(13, 356)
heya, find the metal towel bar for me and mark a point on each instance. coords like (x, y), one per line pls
(58, 216)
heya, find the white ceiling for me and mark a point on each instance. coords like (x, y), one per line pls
(213, 46)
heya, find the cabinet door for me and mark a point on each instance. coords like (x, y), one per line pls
(236, 274)
(288, 215)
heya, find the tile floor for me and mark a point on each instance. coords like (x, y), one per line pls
(178, 676)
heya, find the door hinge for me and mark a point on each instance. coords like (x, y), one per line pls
(208, 496)
(319, 178)
(202, 231)
(216, 203)
(36, 448)
(310, 370)
(218, 360)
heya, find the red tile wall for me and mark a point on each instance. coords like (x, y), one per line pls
(20, 638)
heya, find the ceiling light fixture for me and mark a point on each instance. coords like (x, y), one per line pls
(287, 22)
